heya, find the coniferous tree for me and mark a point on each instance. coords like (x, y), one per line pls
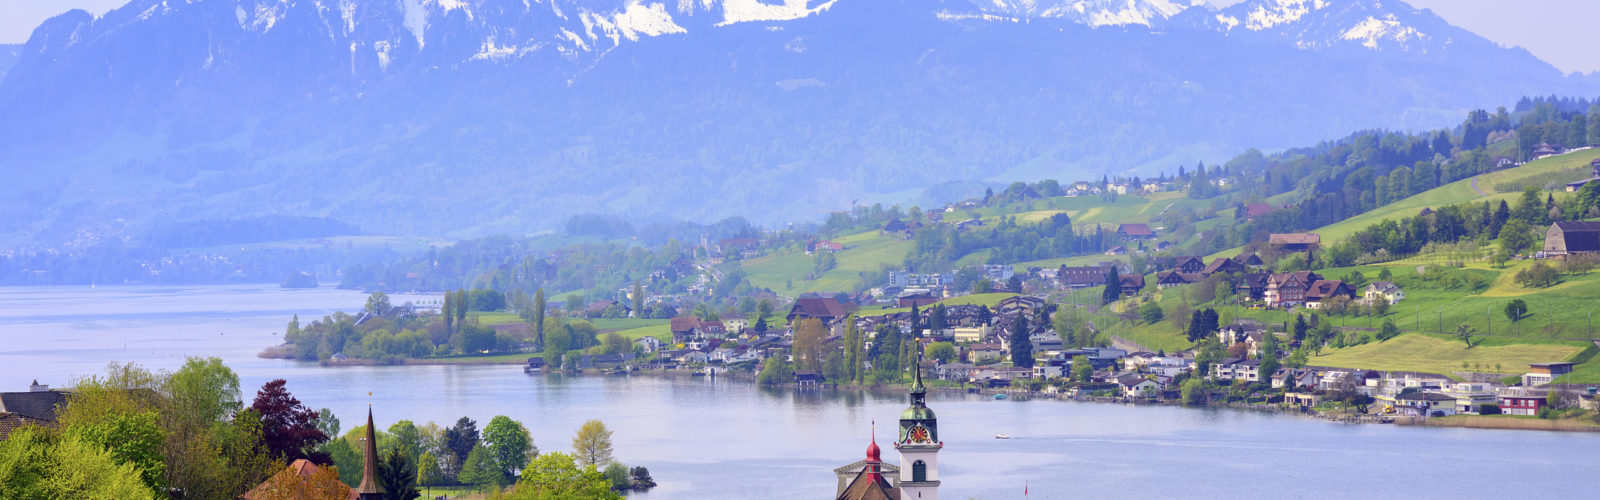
(1113, 290)
(1021, 347)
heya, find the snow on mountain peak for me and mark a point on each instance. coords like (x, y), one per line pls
(739, 11)
(1371, 30)
(1276, 12)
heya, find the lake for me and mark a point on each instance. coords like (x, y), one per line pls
(720, 439)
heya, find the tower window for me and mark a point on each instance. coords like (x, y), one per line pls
(919, 471)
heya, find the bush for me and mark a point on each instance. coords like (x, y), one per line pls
(1538, 275)
(1489, 409)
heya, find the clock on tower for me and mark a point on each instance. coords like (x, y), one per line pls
(919, 444)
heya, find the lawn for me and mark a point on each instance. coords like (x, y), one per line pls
(494, 318)
(866, 251)
(608, 324)
(977, 299)
(661, 331)
(1436, 354)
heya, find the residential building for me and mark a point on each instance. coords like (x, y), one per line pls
(1223, 266)
(825, 309)
(1189, 264)
(1521, 402)
(980, 353)
(1135, 386)
(1384, 291)
(1542, 373)
(970, 333)
(1289, 289)
(1081, 277)
(1323, 290)
(1425, 404)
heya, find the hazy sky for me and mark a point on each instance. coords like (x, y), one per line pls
(1558, 31)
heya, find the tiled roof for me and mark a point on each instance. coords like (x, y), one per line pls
(38, 405)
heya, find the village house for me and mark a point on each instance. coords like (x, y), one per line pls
(1571, 238)
(1289, 289)
(1223, 266)
(1081, 277)
(684, 329)
(735, 323)
(1169, 279)
(1189, 264)
(1135, 386)
(1521, 402)
(1294, 242)
(1254, 210)
(920, 299)
(1384, 291)
(648, 344)
(825, 309)
(1542, 373)
(970, 333)
(980, 353)
(1545, 149)
(1250, 261)
(1252, 286)
(1135, 231)
(1324, 290)
(1423, 404)
(954, 372)
(1131, 284)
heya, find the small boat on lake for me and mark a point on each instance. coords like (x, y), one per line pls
(1001, 436)
(1000, 396)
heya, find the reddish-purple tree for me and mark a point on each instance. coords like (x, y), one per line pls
(288, 428)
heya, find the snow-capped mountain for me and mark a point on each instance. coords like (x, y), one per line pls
(467, 117)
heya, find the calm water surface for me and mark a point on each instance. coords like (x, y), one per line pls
(716, 439)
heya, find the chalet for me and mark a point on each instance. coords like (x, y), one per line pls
(685, 329)
(1082, 278)
(916, 300)
(1542, 373)
(1222, 265)
(1546, 149)
(1294, 242)
(1383, 290)
(1252, 285)
(1504, 162)
(713, 329)
(1322, 290)
(1132, 284)
(1571, 238)
(1250, 261)
(825, 309)
(895, 226)
(1189, 264)
(1169, 279)
(1289, 289)
(1254, 210)
(1135, 231)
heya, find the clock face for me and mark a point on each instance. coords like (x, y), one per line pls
(919, 434)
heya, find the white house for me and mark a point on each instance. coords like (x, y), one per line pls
(649, 344)
(1383, 290)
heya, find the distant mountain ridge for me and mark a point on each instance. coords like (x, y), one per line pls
(470, 117)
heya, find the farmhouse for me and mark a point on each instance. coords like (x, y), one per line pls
(1224, 266)
(1135, 231)
(1295, 242)
(1289, 289)
(1081, 277)
(1254, 210)
(1385, 291)
(825, 309)
(1572, 238)
(1189, 264)
(1323, 290)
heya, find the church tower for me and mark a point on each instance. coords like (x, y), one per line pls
(369, 488)
(919, 444)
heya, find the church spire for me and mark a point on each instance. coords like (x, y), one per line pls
(369, 488)
(918, 391)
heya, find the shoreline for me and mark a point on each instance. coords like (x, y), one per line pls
(1497, 422)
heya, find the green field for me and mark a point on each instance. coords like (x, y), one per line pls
(977, 299)
(1457, 192)
(609, 324)
(871, 251)
(1436, 354)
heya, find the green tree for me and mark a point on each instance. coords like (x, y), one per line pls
(344, 457)
(1021, 346)
(132, 438)
(407, 438)
(398, 476)
(592, 444)
(480, 471)
(557, 475)
(1082, 370)
(1515, 237)
(1194, 392)
(1151, 313)
(942, 351)
(1516, 310)
(36, 464)
(1113, 288)
(775, 371)
(617, 475)
(378, 304)
(539, 305)
(638, 299)
(509, 445)
(1388, 331)
(428, 471)
(1464, 332)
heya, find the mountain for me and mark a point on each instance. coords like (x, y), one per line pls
(8, 57)
(471, 117)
